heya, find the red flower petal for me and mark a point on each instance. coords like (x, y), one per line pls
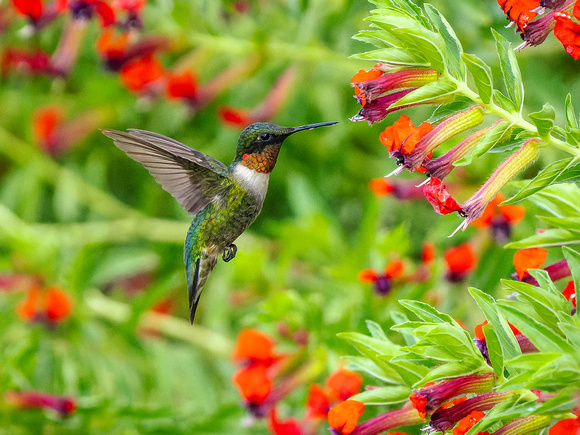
(342, 384)
(255, 347)
(460, 259)
(57, 304)
(344, 417)
(570, 292)
(568, 33)
(368, 276)
(30, 8)
(231, 115)
(468, 422)
(439, 198)
(138, 73)
(428, 253)
(394, 269)
(317, 404)
(568, 426)
(419, 402)
(530, 258)
(520, 11)
(381, 186)
(288, 426)
(182, 85)
(253, 383)
(479, 331)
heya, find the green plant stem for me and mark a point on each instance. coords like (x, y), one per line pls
(23, 153)
(513, 118)
(168, 326)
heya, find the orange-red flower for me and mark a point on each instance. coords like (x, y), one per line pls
(530, 258)
(254, 383)
(317, 403)
(439, 197)
(568, 426)
(568, 33)
(63, 405)
(364, 76)
(520, 11)
(344, 417)
(254, 347)
(342, 384)
(460, 261)
(182, 85)
(500, 218)
(570, 292)
(50, 305)
(383, 282)
(428, 253)
(139, 74)
(468, 422)
(403, 136)
(288, 426)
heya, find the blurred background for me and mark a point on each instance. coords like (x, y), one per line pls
(79, 218)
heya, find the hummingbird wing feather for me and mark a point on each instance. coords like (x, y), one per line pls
(190, 176)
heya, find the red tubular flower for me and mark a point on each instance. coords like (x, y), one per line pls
(50, 306)
(530, 258)
(342, 384)
(317, 403)
(63, 405)
(429, 398)
(182, 85)
(439, 198)
(406, 416)
(378, 109)
(30, 8)
(344, 417)
(460, 262)
(140, 74)
(254, 347)
(520, 11)
(402, 137)
(568, 33)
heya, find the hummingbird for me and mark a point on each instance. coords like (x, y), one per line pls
(224, 200)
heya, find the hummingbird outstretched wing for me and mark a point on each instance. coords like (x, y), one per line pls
(190, 176)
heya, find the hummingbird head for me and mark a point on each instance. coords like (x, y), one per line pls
(259, 144)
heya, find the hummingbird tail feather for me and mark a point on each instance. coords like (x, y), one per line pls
(196, 281)
(192, 291)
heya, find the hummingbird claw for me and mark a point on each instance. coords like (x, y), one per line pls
(230, 252)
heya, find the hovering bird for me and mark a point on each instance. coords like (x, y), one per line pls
(224, 200)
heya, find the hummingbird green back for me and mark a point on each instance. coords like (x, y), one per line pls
(224, 200)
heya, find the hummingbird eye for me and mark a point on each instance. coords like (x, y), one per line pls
(264, 136)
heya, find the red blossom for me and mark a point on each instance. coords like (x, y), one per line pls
(30, 8)
(35, 62)
(182, 85)
(342, 384)
(420, 401)
(254, 347)
(288, 426)
(368, 276)
(317, 403)
(141, 73)
(428, 253)
(439, 197)
(530, 258)
(403, 136)
(520, 11)
(460, 261)
(570, 292)
(253, 383)
(233, 116)
(381, 186)
(568, 426)
(63, 405)
(568, 33)
(511, 213)
(344, 417)
(394, 269)
(363, 76)
(50, 305)
(468, 422)
(134, 6)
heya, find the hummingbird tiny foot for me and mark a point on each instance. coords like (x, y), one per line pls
(230, 252)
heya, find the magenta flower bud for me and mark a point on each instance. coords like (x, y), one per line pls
(445, 130)
(406, 78)
(445, 419)
(406, 416)
(63, 405)
(556, 271)
(378, 109)
(442, 166)
(474, 206)
(428, 399)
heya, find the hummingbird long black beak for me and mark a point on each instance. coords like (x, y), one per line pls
(311, 126)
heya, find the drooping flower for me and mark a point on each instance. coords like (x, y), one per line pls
(529, 258)
(63, 405)
(342, 384)
(343, 418)
(379, 108)
(317, 403)
(429, 398)
(568, 33)
(500, 218)
(506, 171)
(253, 383)
(50, 306)
(383, 282)
(439, 197)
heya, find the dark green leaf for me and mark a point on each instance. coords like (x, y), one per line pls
(570, 112)
(482, 76)
(394, 55)
(454, 49)
(510, 70)
(383, 395)
(544, 120)
(573, 259)
(494, 350)
(546, 239)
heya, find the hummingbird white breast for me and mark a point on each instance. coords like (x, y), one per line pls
(256, 183)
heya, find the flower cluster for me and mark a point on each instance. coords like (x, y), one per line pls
(266, 377)
(557, 18)
(49, 306)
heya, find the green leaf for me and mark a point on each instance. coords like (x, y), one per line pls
(507, 340)
(431, 92)
(502, 101)
(482, 76)
(383, 395)
(451, 370)
(453, 53)
(510, 70)
(544, 120)
(560, 199)
(545, 178)
(376, 368)
(570, 112)
(573, 259)
(489, 139)
(376, 331)
(546, 239)
(427, 312)
(539, 334)
(394, 55)
(494, 349)
(569, 223)
(369, 346)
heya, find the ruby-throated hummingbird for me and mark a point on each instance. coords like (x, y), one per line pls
(224, 200)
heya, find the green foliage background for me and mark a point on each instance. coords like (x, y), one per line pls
(92, 215)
